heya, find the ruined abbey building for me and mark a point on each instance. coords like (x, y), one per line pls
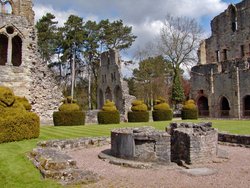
(111, 85)
(220, 82)
(20, 66)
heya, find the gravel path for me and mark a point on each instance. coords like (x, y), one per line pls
(233, 173)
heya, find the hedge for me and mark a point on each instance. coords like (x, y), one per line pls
(138, 116)
(189, 114)
(108, 117)
(162, 115)
(17, 127)
(189, 110)
(68, 118)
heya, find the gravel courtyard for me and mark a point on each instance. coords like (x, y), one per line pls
(233, 173)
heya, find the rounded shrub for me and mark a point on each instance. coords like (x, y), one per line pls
(19, 126)
(162, 111)
(69, 114)
(68, 118)
(109, 114)
(139, 112)
(16, 122)
(189, 110)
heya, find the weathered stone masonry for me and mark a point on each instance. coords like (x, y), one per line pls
(220, 81)
(142, 144)
(20, 66)
(193, 143)
(111, 84)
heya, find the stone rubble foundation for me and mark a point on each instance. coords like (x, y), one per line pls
(52, 161)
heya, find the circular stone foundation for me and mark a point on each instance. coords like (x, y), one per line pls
(144, 144)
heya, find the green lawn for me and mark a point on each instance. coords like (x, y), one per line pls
(17, 171)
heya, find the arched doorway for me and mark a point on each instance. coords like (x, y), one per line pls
(224, 107)
(101, 100)
(108, 94)
(3, 49)
(16, 51)
(246, 104)
(118, 98)
(203, 106)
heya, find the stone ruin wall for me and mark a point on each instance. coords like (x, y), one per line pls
(29, 77)
(183, 142)
(111, 84)
(219, 75)
(193, 143)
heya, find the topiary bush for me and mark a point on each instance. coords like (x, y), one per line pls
(69, 114)
(16, 122)
(24, 102)
(189, 110)
(139, 112)
(162, 111)
(109, 114)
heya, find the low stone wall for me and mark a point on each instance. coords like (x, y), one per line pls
(243, 140)
(49, 157)
(75, 143)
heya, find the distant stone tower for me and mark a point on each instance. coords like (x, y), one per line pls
(20, 66)
(111, 84)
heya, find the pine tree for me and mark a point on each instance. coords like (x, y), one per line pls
(178, 95)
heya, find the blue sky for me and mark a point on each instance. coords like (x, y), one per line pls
(145, 16)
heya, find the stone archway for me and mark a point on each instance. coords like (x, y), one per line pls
(118, 98)
(3, 49)
(101, 99)
(16, 51)
(246, 105)
(108, 94)
(224, 107)
(203, 106)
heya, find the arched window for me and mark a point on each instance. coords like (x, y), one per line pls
(203, 106)
(108, 94)
(6, 7)
(3, 49)
(118, 98)
(101, 101)
(224, 107)
(16, 51)
(233, 15)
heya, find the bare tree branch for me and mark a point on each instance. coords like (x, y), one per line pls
(180, 38)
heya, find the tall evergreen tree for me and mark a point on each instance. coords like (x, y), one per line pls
(47, 36)
(116, 35)
(73, 36)
(178, 95)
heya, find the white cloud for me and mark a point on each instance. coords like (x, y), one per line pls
(61, 16)
(145, 16)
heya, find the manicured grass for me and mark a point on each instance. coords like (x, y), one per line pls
(17, 171)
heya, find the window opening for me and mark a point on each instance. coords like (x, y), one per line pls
(3, 49)
(16, 51)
